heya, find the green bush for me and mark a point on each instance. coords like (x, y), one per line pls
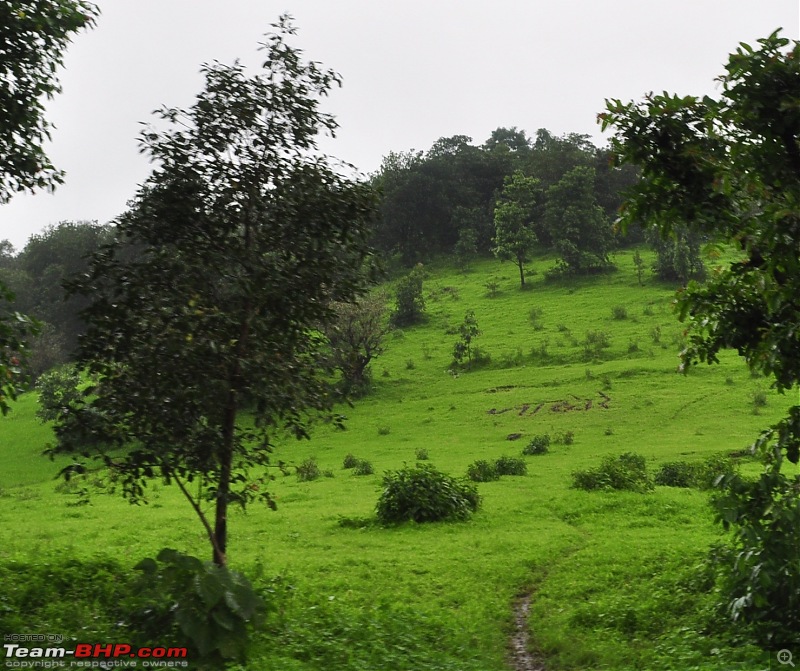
(421, 454)
(350, 461)
(410, 303)
(482, 471)
(538, 445)
(627, 471)
(565, 438)
(363, 467)
(424, 494)
(511, 466)
(619, 312)
(58, 391)
(308, 470)
(676, 474)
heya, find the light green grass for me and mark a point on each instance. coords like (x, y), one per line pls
(602, 566)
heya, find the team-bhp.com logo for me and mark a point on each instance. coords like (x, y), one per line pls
(93, 655)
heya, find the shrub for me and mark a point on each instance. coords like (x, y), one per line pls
(594, 344)
(424, 494)
(212, 605)
(511, 466)
(565, 438)
(421, 454)
(363, 467)
(538, 445)
(492, 288)
(384, 430)
(676, 474)
(410, 365)
(58, 391)
(350, 461)
(619, 312)
(759, 398)
(308, 470)
(627, 471)
(482, 471)
(712, 469)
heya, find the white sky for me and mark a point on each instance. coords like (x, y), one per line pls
(414, 71)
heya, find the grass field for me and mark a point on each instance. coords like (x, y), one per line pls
(614, 577)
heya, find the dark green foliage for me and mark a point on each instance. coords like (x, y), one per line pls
(678, 256)
(424, 494)
(421, 454)
(363, 467)
(34, 36)
(760, 570)
(482, 471)
(409, 301)
(514, 214)
(15, 328)
(676, 474)
(308, 470)
(212, 606)
(627, 471)
(580, 230)
(538, 445)
(510, 466)
(350, 461)
(58, 392)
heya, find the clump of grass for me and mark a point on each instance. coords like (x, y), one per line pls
(627, 471)
(410, 365)
(384, 430)
(538, 445)
(308, 470)
(619, 312)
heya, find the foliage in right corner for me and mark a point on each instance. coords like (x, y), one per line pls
(729, 168)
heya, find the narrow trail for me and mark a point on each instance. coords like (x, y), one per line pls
(519, 656)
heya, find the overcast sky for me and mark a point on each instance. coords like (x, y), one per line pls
(413, 71)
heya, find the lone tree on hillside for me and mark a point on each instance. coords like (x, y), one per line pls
(514, 212)
(246, 239)
(356, 338)
(33, 37)
(730, 168)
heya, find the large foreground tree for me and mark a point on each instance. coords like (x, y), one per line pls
(208, 337)
(730, 168)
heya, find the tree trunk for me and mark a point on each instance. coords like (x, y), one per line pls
(521, 274)
(220, 557)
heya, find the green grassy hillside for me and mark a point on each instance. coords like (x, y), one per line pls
(613, 577)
